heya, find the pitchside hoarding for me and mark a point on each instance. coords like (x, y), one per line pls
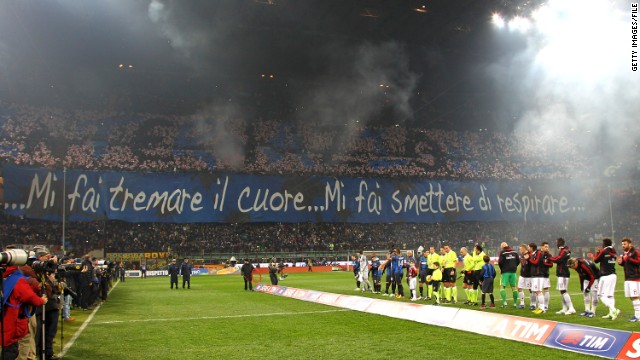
(588, 340)
(581, 339)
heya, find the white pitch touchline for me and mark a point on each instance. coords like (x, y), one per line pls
(222, 316)
(84, 325)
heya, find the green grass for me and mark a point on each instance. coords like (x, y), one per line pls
(144, 319)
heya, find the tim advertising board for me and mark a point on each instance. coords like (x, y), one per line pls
(588, 340)
(533, 331)
(631, 349)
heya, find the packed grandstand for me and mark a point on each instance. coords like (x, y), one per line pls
(42, 137)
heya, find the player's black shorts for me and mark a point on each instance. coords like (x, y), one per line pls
(468, 278)
(397, 277)
(476, 277)
(389, 277)
(423, 276)
(376, 277)
(449, 275)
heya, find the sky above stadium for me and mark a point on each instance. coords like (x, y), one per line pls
(503, 64)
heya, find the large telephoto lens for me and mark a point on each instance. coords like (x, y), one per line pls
(14, 257)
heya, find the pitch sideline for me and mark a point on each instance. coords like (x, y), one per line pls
(222, 316)
(68, 345)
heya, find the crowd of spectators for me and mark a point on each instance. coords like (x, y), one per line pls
(204, 142)
(47, 137)
(254, 238)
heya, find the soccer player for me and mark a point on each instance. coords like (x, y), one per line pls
(389, 278)
(449, 275)
(607, 259)
(562, 272)
(487, 275)
(589, 275)
(423, 269)
(536, 260)
(364, 272)
(376, 273)
(508, 261)
(356, 271)
(467, 282)
(524, 281)
(432, 258)
(630, 260)
(546, 265)
(412, 276)
(478, 263)
(397, 267)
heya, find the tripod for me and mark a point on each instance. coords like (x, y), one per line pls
(43, 325)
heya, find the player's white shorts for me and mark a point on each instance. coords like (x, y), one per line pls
(607, 285)
(524, 283)
(563, 283)
(537, 284)
(364, 275)
(632, 289)
(546, 283)
(412, 283)
(594, 287)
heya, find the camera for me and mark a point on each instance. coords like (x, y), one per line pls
(64, 268)
(69, 267)
(41, 267)
(14, 257)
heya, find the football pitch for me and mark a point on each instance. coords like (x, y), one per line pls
(216, 318)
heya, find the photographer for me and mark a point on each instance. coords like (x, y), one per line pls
(16, 312)
(85, 282)
(103, 274)
(67, 275)
(27, 345)
(94, 283)
(45, 268)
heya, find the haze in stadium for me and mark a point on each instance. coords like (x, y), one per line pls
(314, 126)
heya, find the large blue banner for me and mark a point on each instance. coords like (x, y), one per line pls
(229, 198)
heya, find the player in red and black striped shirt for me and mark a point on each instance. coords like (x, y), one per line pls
(607, 259)
(589, 278)
(562, 272)
(630, 260)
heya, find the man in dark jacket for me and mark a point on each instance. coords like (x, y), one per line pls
(273, 272)
(173, 273)
(247, 274)
(185, 271)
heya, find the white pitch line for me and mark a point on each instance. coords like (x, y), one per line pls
(68, 345)
(222, 316)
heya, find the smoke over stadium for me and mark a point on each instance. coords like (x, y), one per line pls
(293, 134)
